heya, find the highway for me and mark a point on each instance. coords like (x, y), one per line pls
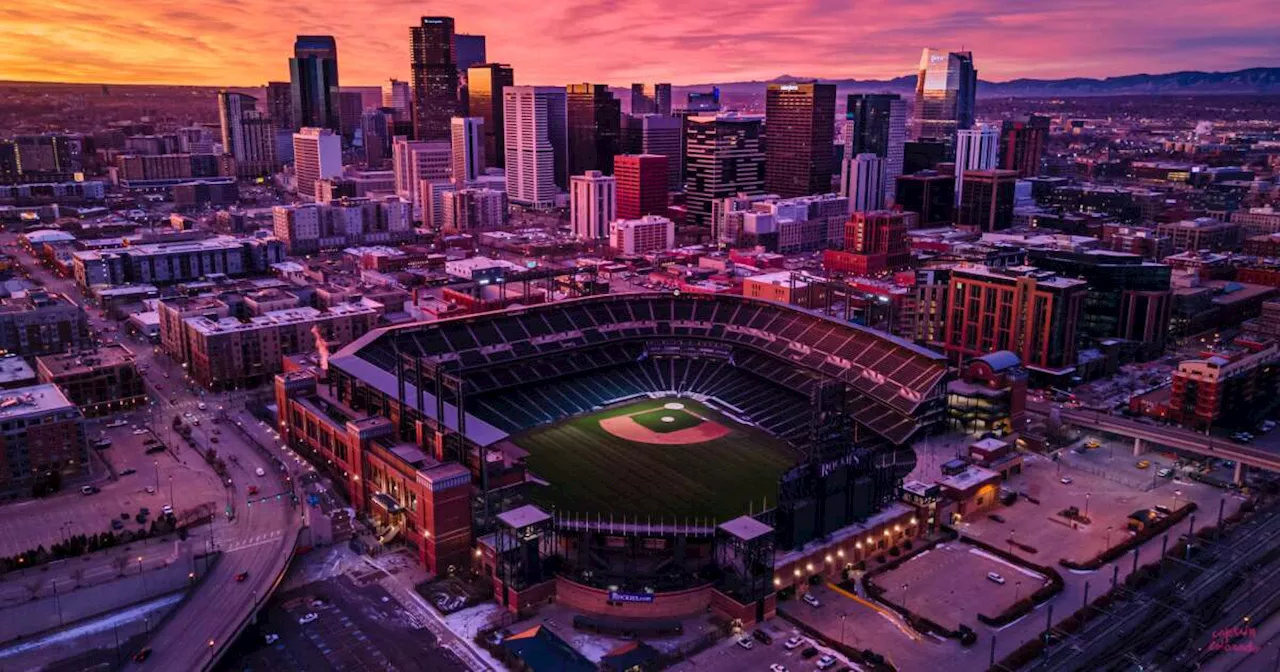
(259, 540)
(1164, 435)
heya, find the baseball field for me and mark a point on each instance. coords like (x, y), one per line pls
(656, 457)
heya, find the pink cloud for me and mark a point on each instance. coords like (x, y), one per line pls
(247, 42)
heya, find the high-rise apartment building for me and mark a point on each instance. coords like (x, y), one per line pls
(310, 228)
(434, 65)
(398, 96)
(862, 179)
(280, 105)
(946, 90)
(642, 185)
(317, 155)
(929, 194)
(594, 118)
(485, 84)
(651, 99)
(375, 135)
(247, 134)
(313, 80)
(593, 204)
(473, 210)
(468, 148)
(415, 161)
(1031, 312)
(1022, 143)
(976, 149)
(724, 156)
(350, 108)
(663, 136)
(876, 123)
(800, 122)
(987, 204)
(536, 144)
(44, 441)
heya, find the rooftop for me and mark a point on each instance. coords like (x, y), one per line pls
(24, 401)
(271, 318)
(79, 363)
(524, 516)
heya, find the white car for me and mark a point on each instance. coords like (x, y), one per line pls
(308, 618)
(793, 643)
(812, 601)
(1065, 480)
(259, 471)
(826, 662)
(202, 406)
(166, 510)
(777, 668)
(746, 643)
(139, 431)
(118, 423)
(187, 415)
(995, 578)
(271, 638)
(150, 489)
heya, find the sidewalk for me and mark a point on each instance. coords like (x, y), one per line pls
(99, 567)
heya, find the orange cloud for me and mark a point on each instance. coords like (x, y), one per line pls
(247, 42)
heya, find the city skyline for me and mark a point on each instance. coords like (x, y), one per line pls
(247, 42)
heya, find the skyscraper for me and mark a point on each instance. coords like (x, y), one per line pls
(434, 65)
(800, 122)
(662, 135)
(651, 99)
(375, 135)
(723, 158)
(470, 51)
(484, 99)
(1022, 142)
(862, 181)
(468, 149)
(416, 162)
(698, 101)
(536, 144)
(397, 96)
(593, 204)
(313, 82)
(642, 185)
(350, 107)
(877, 124)
(976, 149)
(595, 132)
(946, 89)
(247, 134)
(317, 155)
(280, 105)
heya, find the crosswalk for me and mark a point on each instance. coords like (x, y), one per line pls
(252, 542)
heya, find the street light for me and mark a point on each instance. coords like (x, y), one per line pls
(1087, 495)
(1176, 495)
(904, 594)
(1017, 589)
(1108, 542)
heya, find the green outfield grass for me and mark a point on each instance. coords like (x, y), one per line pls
(593, 471)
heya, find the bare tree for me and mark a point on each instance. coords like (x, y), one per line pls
(119, 563)
(77, 574)
(34, 585)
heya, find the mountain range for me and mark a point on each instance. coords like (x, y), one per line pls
(1250, 81)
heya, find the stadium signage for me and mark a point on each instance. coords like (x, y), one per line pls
(644, 598)
(846, 461)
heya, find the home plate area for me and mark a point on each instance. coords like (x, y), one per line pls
(672, 424)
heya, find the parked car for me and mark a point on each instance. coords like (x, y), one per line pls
(202, 406)
(308, 618)
(763, 637)
(793, 643)
(1163, 509)
(812, 601)
(1165, 473)
(89, 490)
(996, 517)
(120, 422)
(995, 578)
(151, 450)
(117, 524)
(1065, 480)
(166, 510)
(809, 653)
(777, 668)
(126, 472)
(142, 655)
(826, 662)
(150, 489)
(259, 471)
(1143, 464)
(746, 643)
(271, 638)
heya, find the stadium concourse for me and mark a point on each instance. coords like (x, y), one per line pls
(422, 425)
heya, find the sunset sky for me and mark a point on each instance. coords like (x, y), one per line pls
(247, 42)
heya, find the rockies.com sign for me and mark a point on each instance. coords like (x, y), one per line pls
(615, 596)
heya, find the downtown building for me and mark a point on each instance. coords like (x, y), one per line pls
(976, 149)
(782, 225)
(650, 233)
(1022, 144)
(102, 381)
(1029, 311)
(642, 185)
(41, 323)
(724, 157)
(398, 97)
(176, 262)
(862, 179)
(317, 155)
(485, 85)
(946, 92)
(416, 163)
(313, 83)
(473, 210)
(800, 122)
(139, 171)
(248, 135)
(593, 204)
(594, 118)
(876, 123)
(874, 242)
(930, 195)
(987, 203)
(314, 227)
(467, 140)
(434, 66)
(651, 99)
(536, 144)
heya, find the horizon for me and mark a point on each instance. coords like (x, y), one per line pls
(209, 44)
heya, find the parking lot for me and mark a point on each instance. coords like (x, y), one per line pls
(729, 655)
(142, 480)
(948, 584)
(1107, 502)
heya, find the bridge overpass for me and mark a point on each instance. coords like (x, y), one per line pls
(1163, 435)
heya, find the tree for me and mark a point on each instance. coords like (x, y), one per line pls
(77, 575)
(33, 586)
(119, 563)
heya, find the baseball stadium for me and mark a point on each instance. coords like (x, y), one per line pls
(631, 454)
